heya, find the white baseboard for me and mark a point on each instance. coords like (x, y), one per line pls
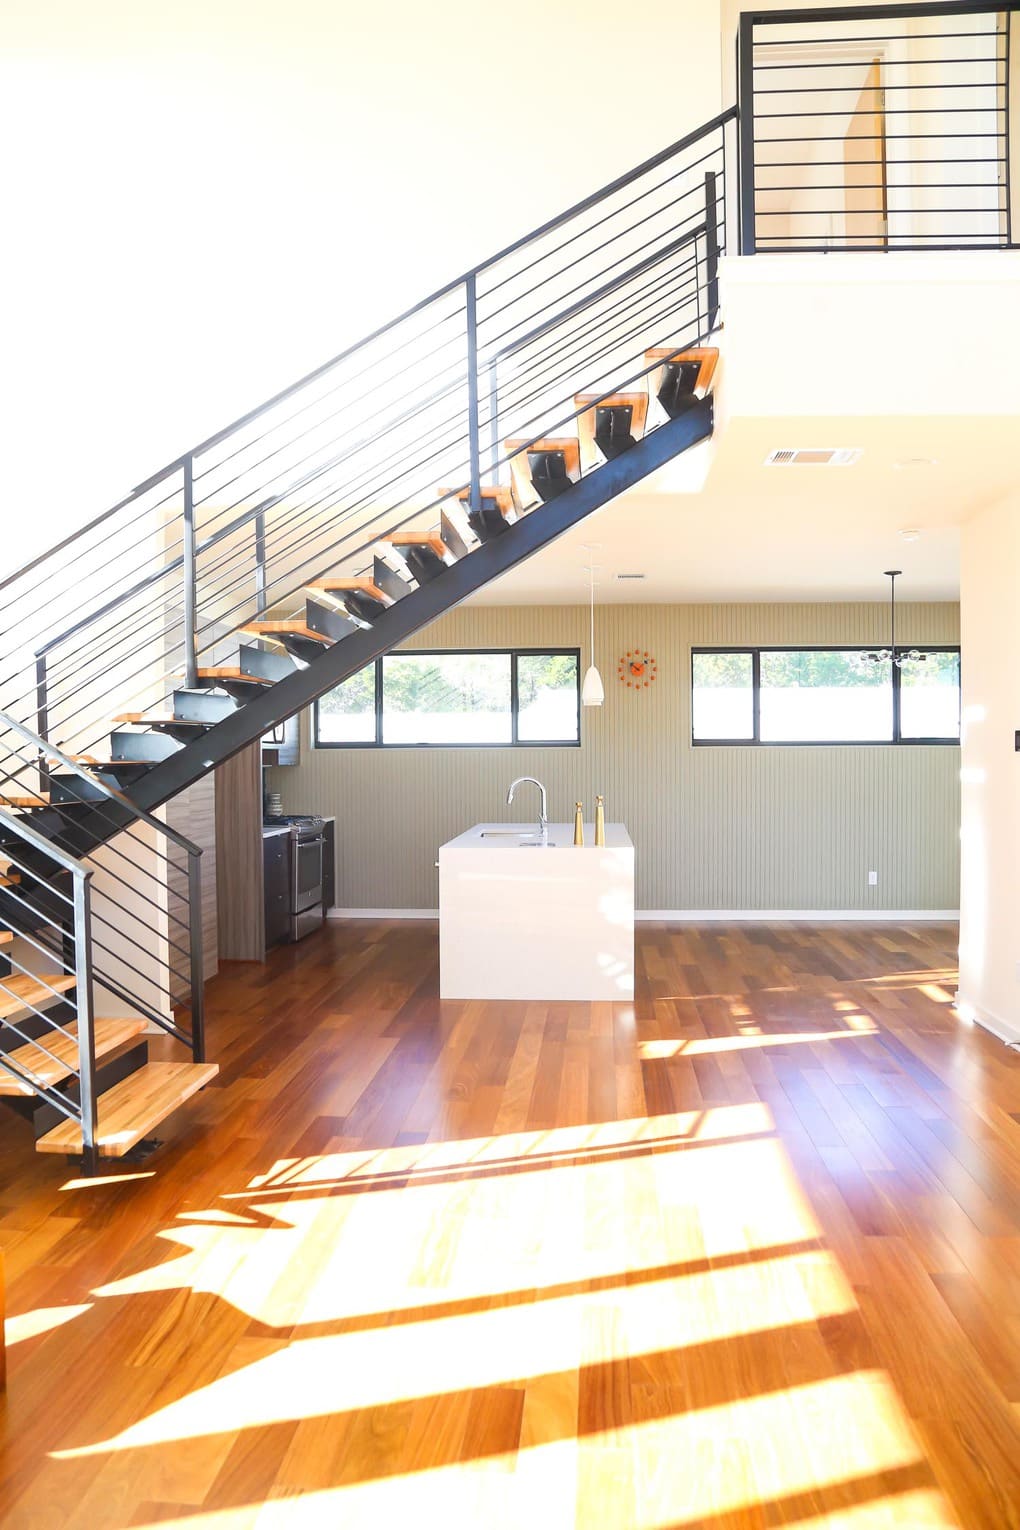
(712, 915)
(799, 915)
(1009, 1034)
(382, 913)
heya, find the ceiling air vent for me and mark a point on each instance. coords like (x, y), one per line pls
(813, 456)
(630, 576)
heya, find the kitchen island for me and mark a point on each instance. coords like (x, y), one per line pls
(522, 919)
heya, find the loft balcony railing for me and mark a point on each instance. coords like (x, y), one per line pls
(877, 128)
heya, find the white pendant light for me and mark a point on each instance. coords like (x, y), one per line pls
(593, 692)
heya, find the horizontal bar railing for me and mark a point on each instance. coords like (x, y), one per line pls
(909, 92)
(84, 1108)
(116, 893)
(360, 444)
(130, 608)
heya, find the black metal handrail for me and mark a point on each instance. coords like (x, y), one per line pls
(909, 102)
(175, 466)
(128, 608)
(304, 483)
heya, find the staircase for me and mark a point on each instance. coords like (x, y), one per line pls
(267, 565)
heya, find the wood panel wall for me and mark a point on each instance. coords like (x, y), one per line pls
(240, 892)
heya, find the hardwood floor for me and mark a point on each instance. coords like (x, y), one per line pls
(742, 1254)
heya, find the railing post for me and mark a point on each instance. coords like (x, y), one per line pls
(711, 249)
(197, 972)
(494, 415)
(85, 1006)
(190, 578)
(260, 562)
(746, 108)
(474, 447)
(42, 715)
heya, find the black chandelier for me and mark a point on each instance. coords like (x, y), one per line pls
(892, 654)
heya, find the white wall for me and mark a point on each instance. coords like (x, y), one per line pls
(921, 334)
(990, 828)
(205, 198)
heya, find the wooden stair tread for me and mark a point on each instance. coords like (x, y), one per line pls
(21, 990)
(61, 1056)
(5, 935)
(638, 402)
(232, 672)
(132, 1108)
(565, 444)
(10, 878)
(520, 450)
(338, 586)
(706, 356)
(418, 539)
(32, 799)
(298, 628)
(501, 493)
(159, 722)
(591, 403)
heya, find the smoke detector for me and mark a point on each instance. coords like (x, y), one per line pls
(813, 456)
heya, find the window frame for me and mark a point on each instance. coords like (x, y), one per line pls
(896, 741)
(425, 653)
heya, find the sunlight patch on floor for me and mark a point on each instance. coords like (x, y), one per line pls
(591, 1293)
(700, 1046)
(667, 1472)
(503, 1346)
(28, 1325)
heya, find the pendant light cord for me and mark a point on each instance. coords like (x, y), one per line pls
(591, 636)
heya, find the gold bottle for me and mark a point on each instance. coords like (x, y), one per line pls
(600, 822)
(578, 824)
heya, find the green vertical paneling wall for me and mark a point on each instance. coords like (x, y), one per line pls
(722, 828)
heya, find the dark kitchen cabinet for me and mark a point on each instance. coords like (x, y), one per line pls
(276, 870)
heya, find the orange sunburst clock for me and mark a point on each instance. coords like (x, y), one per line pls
(637, 669)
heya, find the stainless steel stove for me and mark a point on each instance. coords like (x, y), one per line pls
(306, 835)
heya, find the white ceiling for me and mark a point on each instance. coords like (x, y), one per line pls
(717, 525)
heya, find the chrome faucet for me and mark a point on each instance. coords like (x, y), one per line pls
(543, 820)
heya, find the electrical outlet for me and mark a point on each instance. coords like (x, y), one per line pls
(872, 878)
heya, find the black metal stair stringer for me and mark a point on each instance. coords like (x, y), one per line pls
(419, 607)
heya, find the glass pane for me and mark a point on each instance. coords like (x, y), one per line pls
(347, 715)
(723, 696)
(824, 697)
(930, 696)
(446, 698)
(547, 698)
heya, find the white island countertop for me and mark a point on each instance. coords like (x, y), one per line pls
(513, 836)
(519, 919)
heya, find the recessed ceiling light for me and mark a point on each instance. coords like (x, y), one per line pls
(916, 462)
(909, 533)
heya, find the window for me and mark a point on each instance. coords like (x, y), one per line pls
(494, 698)
(823, 696)
(724, 696)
